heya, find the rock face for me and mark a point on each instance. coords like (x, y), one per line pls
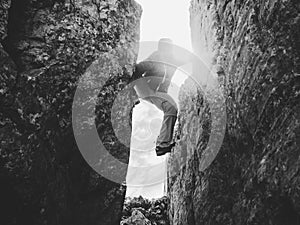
(46, 46)
(155, 211)
(137, 218)
(253, 47)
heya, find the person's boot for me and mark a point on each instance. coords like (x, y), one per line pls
(163, 150)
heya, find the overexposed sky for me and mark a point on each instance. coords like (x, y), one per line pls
(160, 18)
(166, 18)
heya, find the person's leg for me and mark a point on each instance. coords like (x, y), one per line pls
(166, 133)
(143, 89)
(165, 102)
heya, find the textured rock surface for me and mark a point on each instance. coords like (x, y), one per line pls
(155, 211)
(136, 218)
(45, 47)
(255, 178)
(4, 6)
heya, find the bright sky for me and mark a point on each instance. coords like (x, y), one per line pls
(166, 18)
(160, 18)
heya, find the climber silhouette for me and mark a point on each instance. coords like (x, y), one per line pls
(157, 71)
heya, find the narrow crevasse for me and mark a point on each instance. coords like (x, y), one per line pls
(252, 48)
(46, 46)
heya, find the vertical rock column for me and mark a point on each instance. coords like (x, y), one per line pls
(46, 46)
(253, 48)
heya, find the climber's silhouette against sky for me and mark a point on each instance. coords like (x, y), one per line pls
(152, 80)
(156, 14)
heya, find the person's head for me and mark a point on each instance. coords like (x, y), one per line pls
(165, 45)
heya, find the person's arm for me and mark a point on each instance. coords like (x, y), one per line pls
(140, 69)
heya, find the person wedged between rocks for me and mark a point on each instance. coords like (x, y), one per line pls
(157, 71)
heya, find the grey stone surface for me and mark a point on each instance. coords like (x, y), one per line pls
(137, 218)
(255, 177)
(47, 46)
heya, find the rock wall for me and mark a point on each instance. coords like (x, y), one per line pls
(253, 49)
(45, 47)
(142, 211)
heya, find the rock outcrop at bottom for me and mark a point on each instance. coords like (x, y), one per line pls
(155, 211)
(254, 48)
(136, 218)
